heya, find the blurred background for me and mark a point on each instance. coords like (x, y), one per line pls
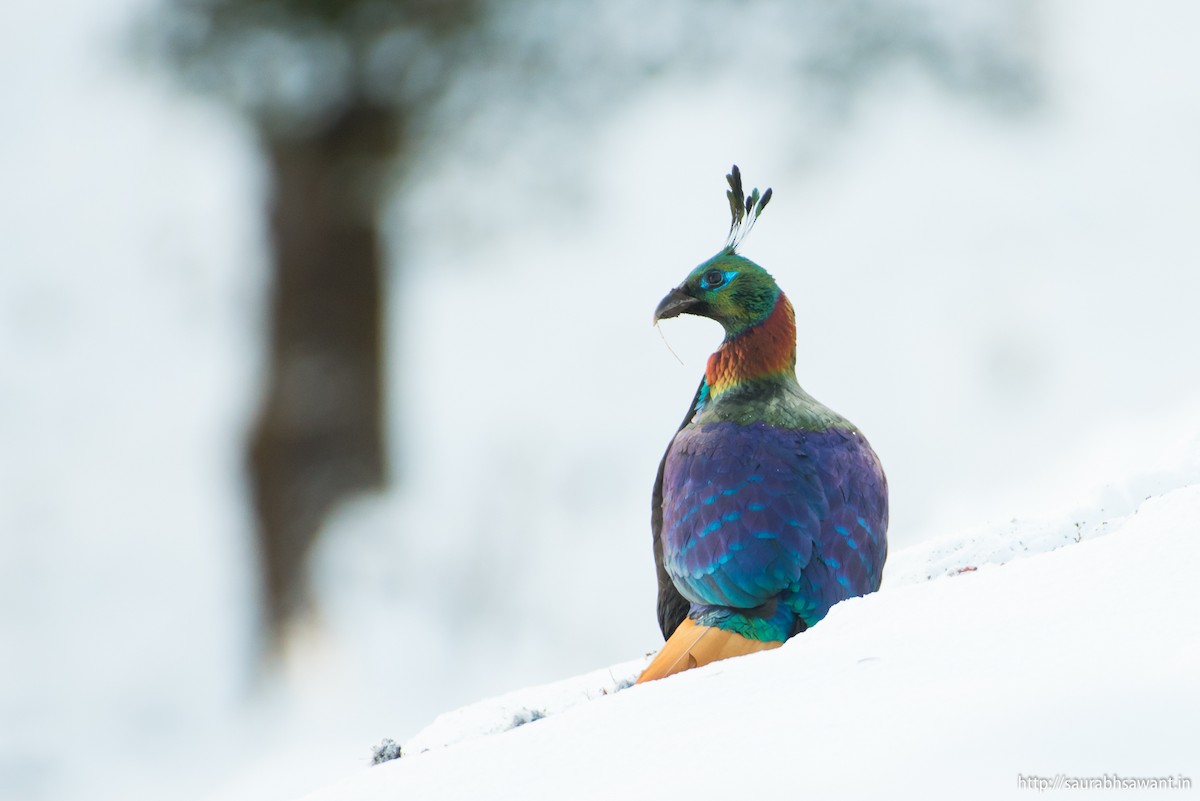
(329, 398)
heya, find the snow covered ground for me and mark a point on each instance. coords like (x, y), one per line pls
(1073, 664)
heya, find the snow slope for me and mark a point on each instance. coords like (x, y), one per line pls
(1081, 662)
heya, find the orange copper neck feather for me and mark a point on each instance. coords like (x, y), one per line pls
(764, 350)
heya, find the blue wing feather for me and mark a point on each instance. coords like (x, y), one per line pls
(755, 517)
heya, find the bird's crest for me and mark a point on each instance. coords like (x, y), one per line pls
(744, 209)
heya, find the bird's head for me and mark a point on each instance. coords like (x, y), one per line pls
(728, 288)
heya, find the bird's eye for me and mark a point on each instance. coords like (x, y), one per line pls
(712, 278)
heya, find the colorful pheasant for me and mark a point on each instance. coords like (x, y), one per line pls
(769, 507)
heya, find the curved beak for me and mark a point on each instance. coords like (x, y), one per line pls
(676, 302)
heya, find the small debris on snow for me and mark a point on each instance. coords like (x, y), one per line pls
(386, 751)
(527, 716)
(523, 706)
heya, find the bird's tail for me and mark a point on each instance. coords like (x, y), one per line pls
(692, 645)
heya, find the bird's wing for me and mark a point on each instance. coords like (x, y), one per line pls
(672, 607)
(751, 506)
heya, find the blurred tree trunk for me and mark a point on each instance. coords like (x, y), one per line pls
(319, 435)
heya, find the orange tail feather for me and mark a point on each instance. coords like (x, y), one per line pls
(693, 645)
